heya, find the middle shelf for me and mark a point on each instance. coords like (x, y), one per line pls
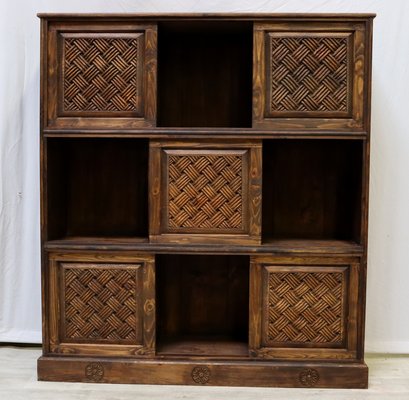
(99, 192)
(269, 246)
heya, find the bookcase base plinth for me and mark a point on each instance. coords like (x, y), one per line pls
(204, 372)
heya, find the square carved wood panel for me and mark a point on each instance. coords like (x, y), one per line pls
(100, 76)
(98, 303)
(102, 73)
(309, 76)
(301, 306)
(101, 302)
(204, 190)
(305, 307)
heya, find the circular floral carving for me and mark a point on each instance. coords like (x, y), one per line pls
(94, 372)
(149, 306)
(309, 377)
(201, 374)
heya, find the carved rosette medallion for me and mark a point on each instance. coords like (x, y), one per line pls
(201, 375)
(309, 377)
(94, 372)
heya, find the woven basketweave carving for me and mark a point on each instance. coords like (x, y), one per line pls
(101, 74)
(308, 74)
(305, 307)
(205, 192)
(100, 303)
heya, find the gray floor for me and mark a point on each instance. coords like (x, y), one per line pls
(388, 380)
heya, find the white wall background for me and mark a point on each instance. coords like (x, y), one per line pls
(388, 270)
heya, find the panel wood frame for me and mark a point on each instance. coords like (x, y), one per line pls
(246, 231)
(99, 41)
(76, 286)
(352, 117)
(345, 269)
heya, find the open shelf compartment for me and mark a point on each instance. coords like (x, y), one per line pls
(212, 87)
(97, 189)
(202, 305)
(312, 191)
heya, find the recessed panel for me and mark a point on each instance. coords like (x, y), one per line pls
(101, 302)
(309, 76)
(102, 74)
(303, 307)
(206, 190)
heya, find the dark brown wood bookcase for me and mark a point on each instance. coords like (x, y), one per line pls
(205, 198)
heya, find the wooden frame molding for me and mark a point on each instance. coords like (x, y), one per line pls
(318, 72)
(101, 304)
(304, 307)
(102, 75)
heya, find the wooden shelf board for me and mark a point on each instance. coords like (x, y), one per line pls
(202, 346)
(99, 240)
(208, 133)
(312, 245)
(204, 16)
(288, 246)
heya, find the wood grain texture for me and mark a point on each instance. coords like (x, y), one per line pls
(209, 348)
(276, 374)
(206, 16)
(270, 246)
(202, 299)
(365, 200)
(387, 372)
(199, 92)
(150, 76)
(314, 191)
(149, 308)
(97, 188)
(205, 133)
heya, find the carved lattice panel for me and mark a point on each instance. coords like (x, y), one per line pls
(308, 74)
(102, 74)
(305, 307)
(205, 191)
(100, 302)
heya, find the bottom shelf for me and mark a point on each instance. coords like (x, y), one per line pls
(218, 346)
(196, 372)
